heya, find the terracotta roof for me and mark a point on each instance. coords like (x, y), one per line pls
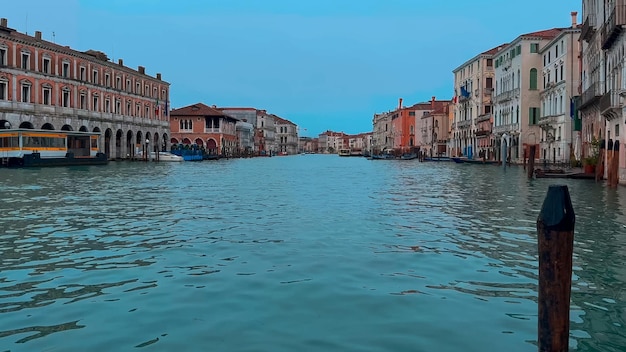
(495, 50)
(197, 109)
(547, 33)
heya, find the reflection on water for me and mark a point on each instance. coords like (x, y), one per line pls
(315, 252)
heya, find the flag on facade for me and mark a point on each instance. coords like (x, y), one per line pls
(165, 112)
(572, 107)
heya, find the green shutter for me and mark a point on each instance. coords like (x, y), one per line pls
(533, 79)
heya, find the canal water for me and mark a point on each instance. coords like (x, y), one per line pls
(307, 252)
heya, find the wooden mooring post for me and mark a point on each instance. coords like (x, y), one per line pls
(555, 234)
(531, 161)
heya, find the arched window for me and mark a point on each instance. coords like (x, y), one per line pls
(533, 79)
(181, 125)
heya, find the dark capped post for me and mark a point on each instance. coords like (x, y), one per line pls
(555, 234)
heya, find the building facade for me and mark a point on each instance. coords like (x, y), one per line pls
(560, 81)
(206, 128)
(474, 83)
(48, 86)
(517, 100)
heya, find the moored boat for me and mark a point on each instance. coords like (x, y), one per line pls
(344, 152)
(165, 156)
(37, 148)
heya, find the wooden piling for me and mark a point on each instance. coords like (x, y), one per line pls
(555, 234)
(600, 163)
(531, 161)
(615, 165)
(609, 161)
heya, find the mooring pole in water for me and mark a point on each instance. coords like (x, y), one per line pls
(555, 234)
(531, 161)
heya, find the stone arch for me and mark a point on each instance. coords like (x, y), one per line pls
(118, 143)
(4, 124)
(83, 129)
(26, 124)
(47, 126)
(199, 142)
(186, 141)
(67, 128)
(107, 141)
(130, 150)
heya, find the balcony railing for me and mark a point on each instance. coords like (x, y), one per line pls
(613, 25)
(512, 127)
(609, 105)
(481, 133)
(488, 92)
(463, 124)
(591, 95)
(588, 29)
(508, 95)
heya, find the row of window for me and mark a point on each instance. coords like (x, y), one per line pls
(46, 67)
(148, 110)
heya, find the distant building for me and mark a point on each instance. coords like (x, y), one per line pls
(561, 77)
(517, 97)
(474, 82)
(44, 85)
(286, 136)
(204, 127)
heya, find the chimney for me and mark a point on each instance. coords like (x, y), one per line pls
(120, 62)
(38, 35)
(400, 103)
(141, 70)
(432, 102)
(4, 22)
(574, 14)
(159, 76)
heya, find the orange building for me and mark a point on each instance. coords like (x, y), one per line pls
(204, 127)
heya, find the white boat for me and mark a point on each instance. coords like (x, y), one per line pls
(344, 152)
(162, 156)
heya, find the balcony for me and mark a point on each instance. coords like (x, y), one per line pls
(591, 95)
(483, 117)
(463, 124)
(488, 91)
(613, 25)
(588, 28)
(482, 133)
(512, 127)
(610, 105)
(506, 96)
(547, 120)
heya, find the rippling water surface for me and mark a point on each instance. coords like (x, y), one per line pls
(314, 252)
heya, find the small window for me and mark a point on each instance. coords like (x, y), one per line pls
(25, 93)
(107, 80)
(3, 56)
(47, 92)
(118, 82)
(66, 69)
(46, 65)
(95, 77)
(26, 61)
(489, 62)
(82, 74)
(128, 85)
(66, 98)
(107, 105)
(3, 90)
(83, 101)
(95, 103)
(534, 47)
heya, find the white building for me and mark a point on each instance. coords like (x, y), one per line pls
(517, 102)
(561, 78)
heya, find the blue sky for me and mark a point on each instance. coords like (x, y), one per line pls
(323, 64)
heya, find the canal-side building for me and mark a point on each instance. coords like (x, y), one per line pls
(204, 127)
(474, 82)
(516, 100)
(44, 85)
(266, 132)
(603, 77)
(435, 129)
(382, 132)
(286, 136)
(560, 81)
